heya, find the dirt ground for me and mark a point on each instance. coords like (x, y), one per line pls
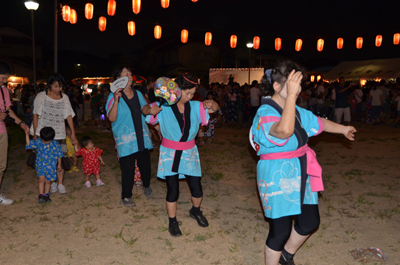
(360, 208)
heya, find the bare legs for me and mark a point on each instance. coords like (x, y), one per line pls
(44, 185)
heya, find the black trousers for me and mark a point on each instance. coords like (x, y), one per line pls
(280, 228)
(127, 164)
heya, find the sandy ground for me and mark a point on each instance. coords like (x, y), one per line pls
(359, 208)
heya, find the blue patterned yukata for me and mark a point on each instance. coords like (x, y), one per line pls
(46, 158)
(279, 180)
(189, 163)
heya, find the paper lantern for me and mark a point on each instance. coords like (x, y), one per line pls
(73, 17)
(256, 42)
(339, 43)
(378, 41)
(136, 6)
(89, 11)
(320, 45)
(131, 28)
(318, 78)
(208, 38)
(233, 41)
(359, 42)
(184, 35)
(299, 43)
(312, 78)
(165, 3)
(157, 32)
(66, 13)
(102, 23)
(396, 39)
(111, 7)
(278, 44)
(194, 1)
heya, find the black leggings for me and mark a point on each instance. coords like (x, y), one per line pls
(127, 164)
(280, 228)
(173, 187)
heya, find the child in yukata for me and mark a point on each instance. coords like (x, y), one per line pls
(48, 160)
(91, 160)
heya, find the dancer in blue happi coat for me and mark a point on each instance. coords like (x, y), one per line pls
(288, 174)
(179, 157)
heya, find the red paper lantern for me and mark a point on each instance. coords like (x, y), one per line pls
(320, 45)
(378, 41)
(396, 39)
(256, 42)
(278, 44)
(131, 28)
(233, 41)
(194, 1)
(136, 6)
(89, 11)
(73, 17)
(102, 23)
(165, 3)
(208, 38)
(184, 35)
(339, 43)
(66, 12)
(111, 7)
(299, 43)
(359, 43)
(157, 32)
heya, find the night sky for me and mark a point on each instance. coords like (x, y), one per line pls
(268, 19)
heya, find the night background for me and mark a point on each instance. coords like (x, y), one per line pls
(99, 52)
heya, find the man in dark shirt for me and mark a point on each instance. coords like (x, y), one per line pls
(342, 104)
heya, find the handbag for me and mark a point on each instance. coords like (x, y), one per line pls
(65, 163)
(32, 159)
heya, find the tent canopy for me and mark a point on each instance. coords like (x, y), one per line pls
(368, 69)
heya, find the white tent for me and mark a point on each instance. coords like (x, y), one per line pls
(368, 69)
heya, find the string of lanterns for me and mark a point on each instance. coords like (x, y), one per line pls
(70, 15)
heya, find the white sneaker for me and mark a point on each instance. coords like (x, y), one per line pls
(61, 189)
(4, 200)
(53, 187)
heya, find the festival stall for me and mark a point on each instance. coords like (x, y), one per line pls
(13, 81)
(240, 75)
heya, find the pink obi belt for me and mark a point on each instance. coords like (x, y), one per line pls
(177, 145)
(314, 170)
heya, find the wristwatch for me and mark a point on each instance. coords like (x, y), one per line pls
(19, 124)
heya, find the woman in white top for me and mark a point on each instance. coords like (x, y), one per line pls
(51, 109)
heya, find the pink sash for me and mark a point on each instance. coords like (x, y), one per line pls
(313, 168)
(177, 145)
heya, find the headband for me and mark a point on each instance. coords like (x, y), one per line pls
(190, 81)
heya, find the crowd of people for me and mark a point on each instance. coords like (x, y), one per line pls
(281, 112)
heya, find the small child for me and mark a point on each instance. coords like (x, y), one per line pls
(71, 149)
(211, 126)
(91, 160)
(49, 153)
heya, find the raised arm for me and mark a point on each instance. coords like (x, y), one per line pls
(284, 128)
(211, 106)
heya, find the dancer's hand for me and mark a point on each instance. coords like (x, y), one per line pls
(207, 104)
(154, 110)
(117, 94)
(348, 132)
(293, 83)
